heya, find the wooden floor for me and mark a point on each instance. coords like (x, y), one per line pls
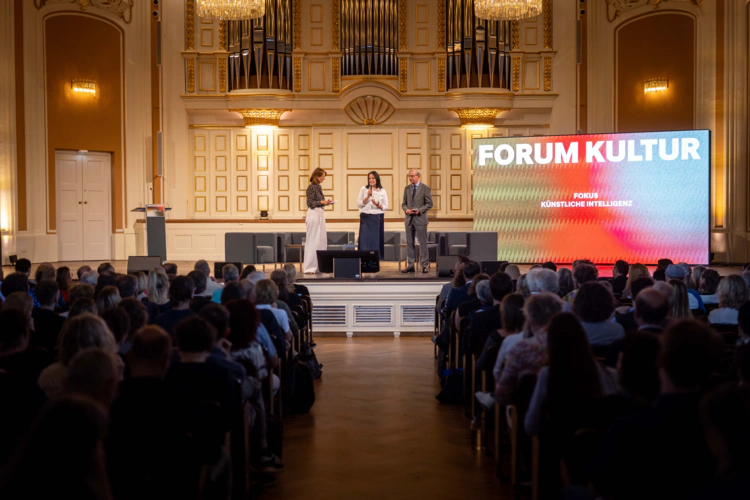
(377, 431)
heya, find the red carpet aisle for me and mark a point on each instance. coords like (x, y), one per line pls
(376, 430)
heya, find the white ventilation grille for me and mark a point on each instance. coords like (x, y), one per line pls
(417, 314)
(329, 315)
(373, 315)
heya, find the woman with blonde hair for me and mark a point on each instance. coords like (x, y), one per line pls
(291, 274)
(107, 298)
(636, 271)
(732, 294)
(77, 334)
(680, 301)
(315, 221)
(142, 285)
(157, 293)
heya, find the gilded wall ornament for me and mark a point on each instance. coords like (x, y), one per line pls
(547, 74)
(616, 7)
(222, 74)
(441, 75)
(441, 25)
(516, 76)
(223, 36)
(335, 70)
(298, 74)
(402, 24)
(369, 110)
(403, 67)
(190, 25)
(123, 8)
(261, 116)
(547, 24)
(516, 27)
(478, 116)
(335, 22)
(297, 25)
(190, 63)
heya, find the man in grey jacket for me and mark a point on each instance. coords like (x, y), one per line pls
(417, 201)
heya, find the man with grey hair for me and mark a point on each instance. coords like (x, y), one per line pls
(230, 274)
(255, 276)
(543, 280)
(211, 284)
(417, 201)
(90, 278)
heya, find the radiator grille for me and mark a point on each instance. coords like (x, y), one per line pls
(369, 315)
(417, 314)
(329, 315)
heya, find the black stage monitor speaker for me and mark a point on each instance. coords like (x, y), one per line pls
(490, 267)
(445, 266)
(145, 264)
(219, 265)
(347, 267)
(370, 260)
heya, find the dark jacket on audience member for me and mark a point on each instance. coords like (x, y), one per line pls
(169, 319)
(198, 303)
(154, 310)
(483, 322)
(301, 290)
(618, 284)
(455, 298)
(268, 320)
(661, 453)
(159, 439)
(47, 327)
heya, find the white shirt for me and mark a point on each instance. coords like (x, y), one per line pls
(378, 195)
(723, 316)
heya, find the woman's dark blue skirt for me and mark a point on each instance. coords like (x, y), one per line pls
(371, 232)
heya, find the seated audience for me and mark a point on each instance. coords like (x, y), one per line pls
(594, 307)
(256, 276)
(159, 436)
(82, 270)
(247, 271)
(279, 277)
(170, 268)
(582, 273)
(231, 274)
(105, 279)
(565, 281)
(543, 280)
(680, 303)
(746, 277)
(638, 368)
(233, 291)
(107, 298)
(522, 286)
(743, 324)
(530, 354)
(78, 333)
(661, 268)
(218, 317)
(733, 293)
(118, 323)
(651, 310)
(14, 282)
(199, 300)
(459, 295)
(127, 285)
(180, 295)
(625, 315)
(62, 456)
(619, 277)
(157, 294)
(211, 284)
(457, 281)
(47, 323)
(472, 303)
(550, 265)
(487, 321)
(16, 358)
(266, 293)
(90, 278)
(94, 373)
(698, 274)
(142, 285)
(81, 306)
(20, 301)
(105, 267)
(662, 453)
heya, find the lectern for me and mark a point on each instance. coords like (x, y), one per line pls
(156, 230)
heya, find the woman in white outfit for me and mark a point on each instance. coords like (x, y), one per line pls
(316, 222)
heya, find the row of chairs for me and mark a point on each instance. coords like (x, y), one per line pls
(497, 432)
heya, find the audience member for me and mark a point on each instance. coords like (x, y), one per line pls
(551, 266)
(638, 368)
(279, 277)
(118, 323)
(461, 294)
(93, 373)
(47, 323)
(675, 271)
(294, 287)
(170, 268)
(231, 274)
(180, 295)
(82, 270)
(159, 433)
(582, 273)
(457, 281)
(512, 320)
(218, 317)
(667, 291)
(105, 267)
(20, 301)
(232, 291)
(81, 306)
(746, 278)
(732, 293)
(16, 359)
(64, 282)
(698, 274)
(157, 293)
(247, 271)
(543, 280)
(90, 278)
(743, 324)
(142, 285)
(513, 271)
(708, 285)
(619, 277)
(256, 276)
(14, 282)
(78, 333)
(625, 315)
(266, 293)
(522, 286)
(211, 284)
(127, 285)
(651, 309)
(107, 298)
(565, 281)
(530, 354)
(593, 304)
(137, 319)
(63, 455)
(199, 300)
(661, 268)
(472, 303)
(636, 271)
(679, 304)
(487, 321)
(105, 279)
(663, 453)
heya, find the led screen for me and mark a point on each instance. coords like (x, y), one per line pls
(638, 197)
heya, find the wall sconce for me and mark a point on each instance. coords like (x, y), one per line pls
(478, 117)
(260, 117)
(87, 87)
(654, 85)
(263, 207)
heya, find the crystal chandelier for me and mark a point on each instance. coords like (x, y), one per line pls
(507, 10)
(231, 10)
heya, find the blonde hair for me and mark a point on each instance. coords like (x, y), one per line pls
(637, 271)
(158, 286)
(45, 271)
(316, 173)
(84, 331)
(142, 281)
(732, 292)
(291, 275)
(266, 292)
(107, 298)
(680, 301)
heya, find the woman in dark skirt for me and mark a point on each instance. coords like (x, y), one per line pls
(372, 203)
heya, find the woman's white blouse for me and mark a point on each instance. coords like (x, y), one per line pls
(378, 195)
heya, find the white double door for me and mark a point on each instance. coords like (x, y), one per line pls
(84, 195)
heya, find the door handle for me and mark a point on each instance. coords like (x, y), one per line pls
(80, 202)
(85, 202)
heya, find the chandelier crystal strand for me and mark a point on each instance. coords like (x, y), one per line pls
(507, 10)
(231, 10)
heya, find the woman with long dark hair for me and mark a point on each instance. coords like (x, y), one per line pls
(372, 203)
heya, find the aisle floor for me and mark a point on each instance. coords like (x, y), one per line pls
(377, 431)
